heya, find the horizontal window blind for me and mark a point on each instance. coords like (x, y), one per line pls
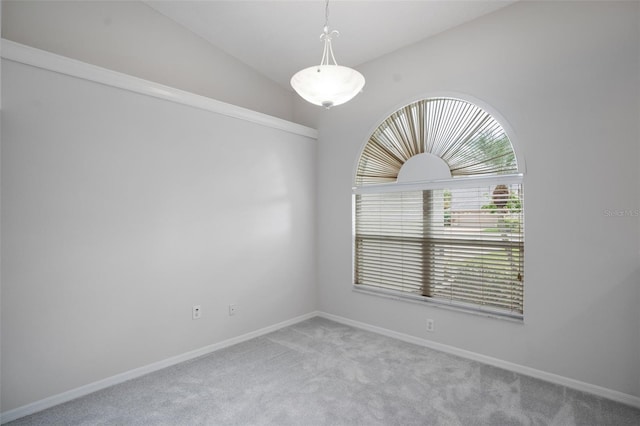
(463, 246)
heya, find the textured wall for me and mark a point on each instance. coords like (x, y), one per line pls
(565, 77)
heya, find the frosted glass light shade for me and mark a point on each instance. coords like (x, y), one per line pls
(327, 85)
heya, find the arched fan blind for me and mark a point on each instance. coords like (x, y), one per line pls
(467, 138)
(457, 241)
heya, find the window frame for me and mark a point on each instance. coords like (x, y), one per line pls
(439, 184)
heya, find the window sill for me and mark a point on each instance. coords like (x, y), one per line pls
(453, 306)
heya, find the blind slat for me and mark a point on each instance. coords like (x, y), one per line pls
(444, 244)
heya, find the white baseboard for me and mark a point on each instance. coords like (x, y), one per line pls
(63, 397)
(528, 371)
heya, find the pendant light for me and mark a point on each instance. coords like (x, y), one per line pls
(327, 84)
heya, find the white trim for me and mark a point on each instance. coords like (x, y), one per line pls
(81, 391)
(466, 308)
(521, 369)
(69, 395)
(49, 61)
(460, 182)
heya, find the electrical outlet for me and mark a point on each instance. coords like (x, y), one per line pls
(430, 325)
(232, 309)
(196, 312)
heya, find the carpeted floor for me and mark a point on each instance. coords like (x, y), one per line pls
(319, 372)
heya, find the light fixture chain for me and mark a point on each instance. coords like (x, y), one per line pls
(326, 14)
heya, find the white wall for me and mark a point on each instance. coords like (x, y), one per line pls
(110, 199)
(565, 76)
(131, 37)
(1, 1)
(120, 211)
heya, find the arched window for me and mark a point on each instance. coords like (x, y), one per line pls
(438, 209)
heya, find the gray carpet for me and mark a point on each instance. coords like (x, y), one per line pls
(319, 372)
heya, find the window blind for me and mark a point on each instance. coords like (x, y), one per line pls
(466, 137)
(460, 246)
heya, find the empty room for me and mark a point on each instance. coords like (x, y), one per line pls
(320, 212)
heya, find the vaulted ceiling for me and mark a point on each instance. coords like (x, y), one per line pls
(278, 38)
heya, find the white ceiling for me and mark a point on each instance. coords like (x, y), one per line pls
(278, 38)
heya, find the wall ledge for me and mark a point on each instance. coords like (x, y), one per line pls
(50, 61)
